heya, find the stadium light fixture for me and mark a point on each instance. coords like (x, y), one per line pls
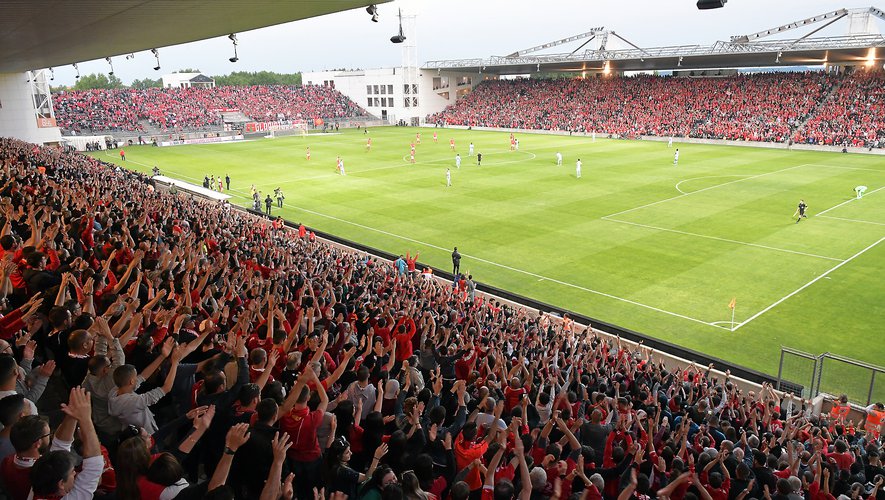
(77, 70)
(233, 39)
(156, 54)
(399, 38)
(373, 11)
(111, 63)
(711, 4)
(130, 56)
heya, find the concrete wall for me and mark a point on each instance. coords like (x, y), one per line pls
(17, 112)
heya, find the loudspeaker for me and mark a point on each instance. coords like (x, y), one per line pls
(711, 4)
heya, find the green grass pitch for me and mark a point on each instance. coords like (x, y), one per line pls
(636, 241)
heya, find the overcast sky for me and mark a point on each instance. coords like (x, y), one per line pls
(456, 29)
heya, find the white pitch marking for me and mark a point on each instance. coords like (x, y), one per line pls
(701, 191)
(853, 220)
(806, 285)
(848, 201)
(724, 239)
(705, 177)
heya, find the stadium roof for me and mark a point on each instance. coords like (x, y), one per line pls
(38, 34)
(746, 51)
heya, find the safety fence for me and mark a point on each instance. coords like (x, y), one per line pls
(807, 375)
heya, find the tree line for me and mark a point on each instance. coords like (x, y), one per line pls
(237, 78)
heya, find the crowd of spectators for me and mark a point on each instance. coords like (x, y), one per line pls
(853, 116)
(121, 110)
(765, 107)
(158, 346)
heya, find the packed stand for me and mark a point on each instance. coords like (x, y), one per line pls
(121, 110)
(853, 116)
(156, 346)
(754, 107)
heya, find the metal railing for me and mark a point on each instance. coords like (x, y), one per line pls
(808, 375)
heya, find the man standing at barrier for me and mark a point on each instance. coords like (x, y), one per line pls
(227, 181)
(456, 261)
(268, 202)
(279, 194)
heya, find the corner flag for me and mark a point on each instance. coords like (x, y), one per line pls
(731, 306)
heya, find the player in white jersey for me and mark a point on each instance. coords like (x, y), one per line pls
(470, 153)
(458, 160)
(670, 142)
(578, 168)
(676, 157)
(517, 144)
(448, 177)
(558, 159)
(593, 136)
(860, 190)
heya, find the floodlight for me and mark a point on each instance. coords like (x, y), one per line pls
(111, 72)
(51, 73)
(233, 38)
(400, 38)
(77, 70)
(156, 54)
(373, 11)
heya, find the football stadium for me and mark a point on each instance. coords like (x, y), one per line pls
(596, 267)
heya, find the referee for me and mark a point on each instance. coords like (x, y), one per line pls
(801, 211)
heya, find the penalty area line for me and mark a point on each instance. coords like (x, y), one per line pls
(806, 285)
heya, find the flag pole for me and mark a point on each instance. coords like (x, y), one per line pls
(732, 318)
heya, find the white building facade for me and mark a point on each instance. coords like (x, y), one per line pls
(388, 93)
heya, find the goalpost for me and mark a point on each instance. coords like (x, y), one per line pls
(285, 129)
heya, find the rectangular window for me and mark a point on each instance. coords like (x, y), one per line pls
(415, 88)
(377, 103)
(376, 90)
(406, 89)
(383, 89)
(370, 102)
(368, 90)
(390, 89)
(407, 101)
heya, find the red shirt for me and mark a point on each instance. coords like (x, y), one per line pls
(301, 424)
(465, 453)
(16, 478)
(512, 397)
(404, 348)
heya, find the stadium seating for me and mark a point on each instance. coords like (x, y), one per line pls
(120, 110)
(244, 329)
(767, 107)
(853, 116)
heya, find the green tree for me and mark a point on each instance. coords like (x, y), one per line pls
(98, 81)
(240, 78)
(147, 83)
(188, 70)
